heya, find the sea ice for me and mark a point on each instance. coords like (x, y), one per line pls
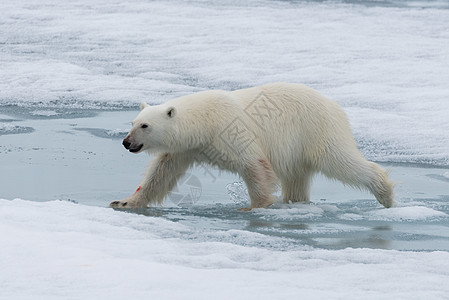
(63, 250)
(387, 66)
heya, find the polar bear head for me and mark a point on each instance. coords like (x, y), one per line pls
(153, 129)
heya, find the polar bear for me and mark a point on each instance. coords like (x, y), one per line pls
(276, 133)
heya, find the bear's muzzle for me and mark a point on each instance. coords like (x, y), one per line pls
(130, 146)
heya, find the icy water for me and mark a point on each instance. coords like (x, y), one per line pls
(77, 156)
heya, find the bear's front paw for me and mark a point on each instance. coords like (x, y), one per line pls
(124, 204)
(119, 204)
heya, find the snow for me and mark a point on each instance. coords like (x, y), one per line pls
(6, 128)
(407, 213)
(295, 211)
(44, 113)
(58, 249)
(311, 211)
(398, 214)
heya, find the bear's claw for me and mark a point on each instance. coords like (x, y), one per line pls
(118, 204)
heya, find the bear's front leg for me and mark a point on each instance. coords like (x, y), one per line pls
(136, 200)
(261, 182)
(162, 174)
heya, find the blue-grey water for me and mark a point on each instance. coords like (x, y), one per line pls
(77, 156)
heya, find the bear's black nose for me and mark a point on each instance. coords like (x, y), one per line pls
(126, 144)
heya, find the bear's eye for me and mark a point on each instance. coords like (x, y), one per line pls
(144, 126)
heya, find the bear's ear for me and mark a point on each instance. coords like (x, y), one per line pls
(171, 112)
(143, 105)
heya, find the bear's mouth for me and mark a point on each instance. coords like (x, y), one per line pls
(136, 149)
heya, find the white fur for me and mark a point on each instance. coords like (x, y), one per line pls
(285, 132)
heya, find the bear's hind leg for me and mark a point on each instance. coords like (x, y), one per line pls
(381, 186)
(297, 189)
(261, 182)
(356, 171)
